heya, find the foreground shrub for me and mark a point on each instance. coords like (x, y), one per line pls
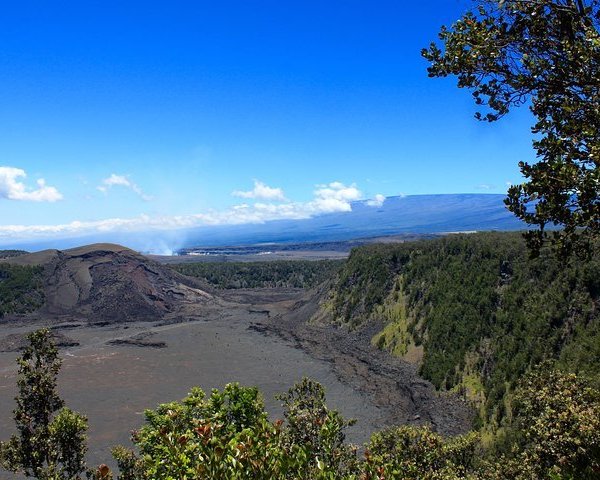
(558, 417)
(418, 453)
(228, 436)
(313, 438)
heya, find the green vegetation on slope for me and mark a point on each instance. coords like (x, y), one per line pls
(20, 288)
(481, 311)
(276, 274)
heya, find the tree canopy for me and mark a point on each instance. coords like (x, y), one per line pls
(544, 54)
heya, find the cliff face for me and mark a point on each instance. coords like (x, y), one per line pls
(110, 283)
(472, 311)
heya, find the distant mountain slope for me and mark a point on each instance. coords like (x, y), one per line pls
(472, 310)
(402, 214)
(105, 282)
(406, 214)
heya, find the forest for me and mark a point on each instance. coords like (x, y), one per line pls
(21, 289)
(274, 274)
(474, 311)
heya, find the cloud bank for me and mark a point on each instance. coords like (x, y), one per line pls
(328, 198)
(13, 189)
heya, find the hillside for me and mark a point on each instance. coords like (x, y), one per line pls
(414, 214)
(100, 283)
(472, 311)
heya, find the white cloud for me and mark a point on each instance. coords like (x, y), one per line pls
(334, 197)
(240, 214)
(329, 198)
(13, 189)
(122, 181)
(376, 201)
(261, 192)
(485, 186)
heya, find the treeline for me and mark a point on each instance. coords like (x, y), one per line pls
(21, 288)
(227, 435)
(11, 253)
(475, 311)
(274, 274)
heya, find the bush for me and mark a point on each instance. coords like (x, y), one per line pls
(418, 453)
(228, 436)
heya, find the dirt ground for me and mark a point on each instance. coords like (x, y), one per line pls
(251, 337)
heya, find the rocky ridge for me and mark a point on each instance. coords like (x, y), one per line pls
(111, 283)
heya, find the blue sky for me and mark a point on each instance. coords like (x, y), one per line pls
(133, 114)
